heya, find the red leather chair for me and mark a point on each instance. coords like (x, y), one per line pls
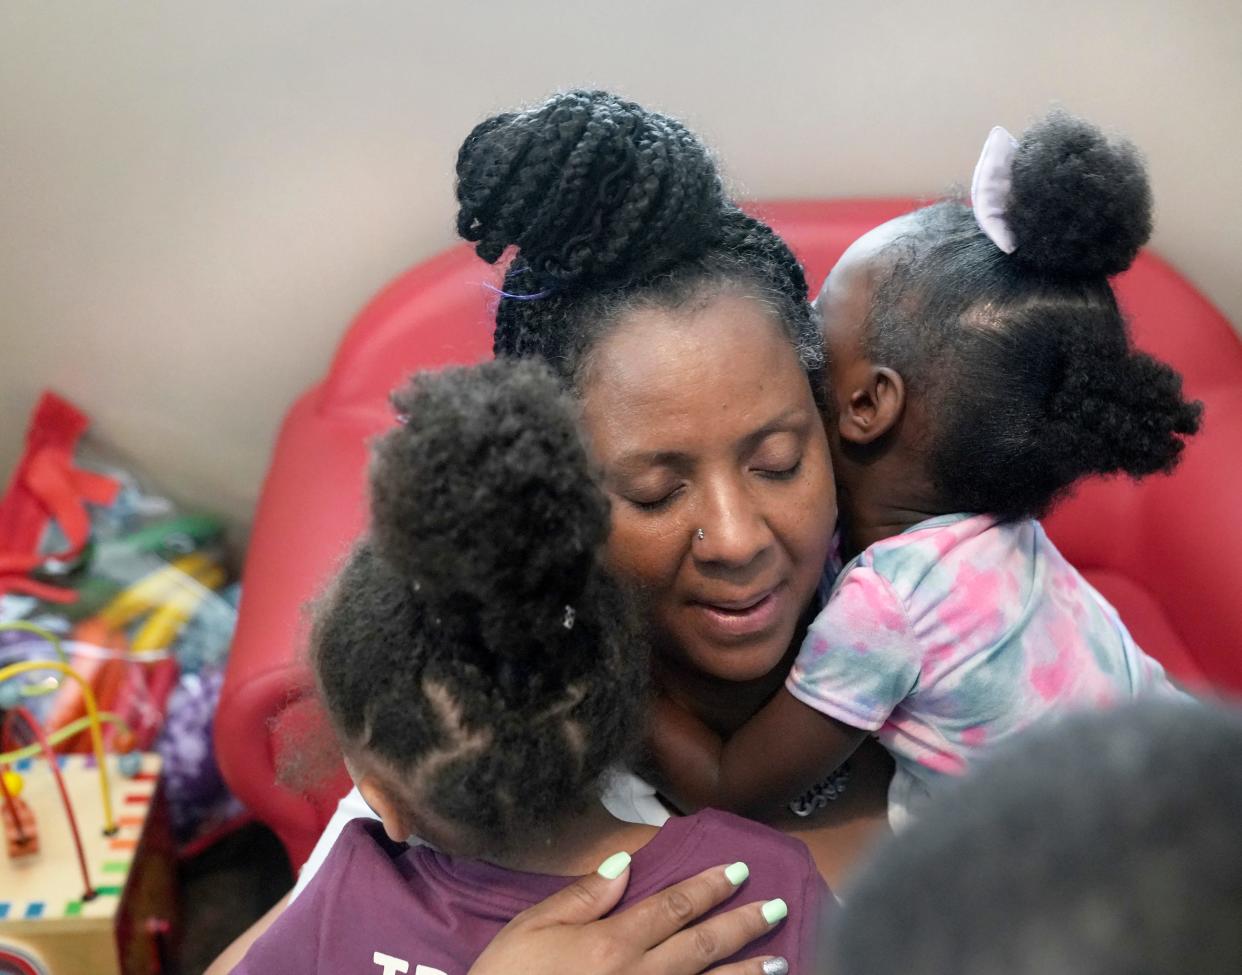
(1167, 553)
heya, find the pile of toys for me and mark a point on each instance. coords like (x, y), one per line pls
(102, 575)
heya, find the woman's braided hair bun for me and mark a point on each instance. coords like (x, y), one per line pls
(589, 188)
(1080, 205)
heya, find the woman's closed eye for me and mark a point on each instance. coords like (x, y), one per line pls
(779, 457)
(787, 473)
(653, 500)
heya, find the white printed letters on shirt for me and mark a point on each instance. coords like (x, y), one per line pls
(399, 966)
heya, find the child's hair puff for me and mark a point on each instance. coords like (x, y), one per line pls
(510, 521)
(1080, 204)
(1024, 361)
(471, 642)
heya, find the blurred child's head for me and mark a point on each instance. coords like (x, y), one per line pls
(480, 671)
(1010, 376)
(1108, 843)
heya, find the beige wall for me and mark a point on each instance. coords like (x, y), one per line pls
(196, 197)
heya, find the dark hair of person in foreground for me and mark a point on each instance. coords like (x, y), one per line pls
(1107, 844)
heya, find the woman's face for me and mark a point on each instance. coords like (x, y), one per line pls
(703, 419)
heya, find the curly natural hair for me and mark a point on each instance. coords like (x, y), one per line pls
(1024, 360)
(471, 642)
(611, 207)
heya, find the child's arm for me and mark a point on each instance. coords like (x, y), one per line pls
(782, 751)
(859, 660)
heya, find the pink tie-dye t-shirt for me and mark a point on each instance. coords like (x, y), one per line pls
(956, 634)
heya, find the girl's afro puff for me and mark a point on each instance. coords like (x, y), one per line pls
(472, 642)
(1023, 361)
(1080, 205)
(511, 513)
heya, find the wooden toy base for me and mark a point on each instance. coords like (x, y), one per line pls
(46, 926)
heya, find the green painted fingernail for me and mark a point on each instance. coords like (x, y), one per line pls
(737, 872)
(615, 865)
(775, 910)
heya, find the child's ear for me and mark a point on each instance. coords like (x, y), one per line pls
(376, 796)
(872, 407)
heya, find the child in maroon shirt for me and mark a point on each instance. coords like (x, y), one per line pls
(435, 913)
(483, 675)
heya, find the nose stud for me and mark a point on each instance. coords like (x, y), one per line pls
(700, 534)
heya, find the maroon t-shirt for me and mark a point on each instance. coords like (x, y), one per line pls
(379, 907)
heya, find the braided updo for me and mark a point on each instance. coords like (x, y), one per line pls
(610, 207)
(1023, 361)
(471, 642)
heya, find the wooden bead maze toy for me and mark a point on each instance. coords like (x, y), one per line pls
(87, 876)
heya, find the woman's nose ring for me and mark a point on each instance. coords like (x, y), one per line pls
(700, 534)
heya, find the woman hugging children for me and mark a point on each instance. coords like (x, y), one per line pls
(485, 674)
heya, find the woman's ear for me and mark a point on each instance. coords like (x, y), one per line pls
(873, 406)
(389, 812)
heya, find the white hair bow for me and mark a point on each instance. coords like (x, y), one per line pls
(989, 189)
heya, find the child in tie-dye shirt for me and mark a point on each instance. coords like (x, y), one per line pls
(979, 367)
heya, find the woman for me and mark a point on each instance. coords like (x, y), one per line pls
(682, 325)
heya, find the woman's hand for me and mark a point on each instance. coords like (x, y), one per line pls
(564, 934)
